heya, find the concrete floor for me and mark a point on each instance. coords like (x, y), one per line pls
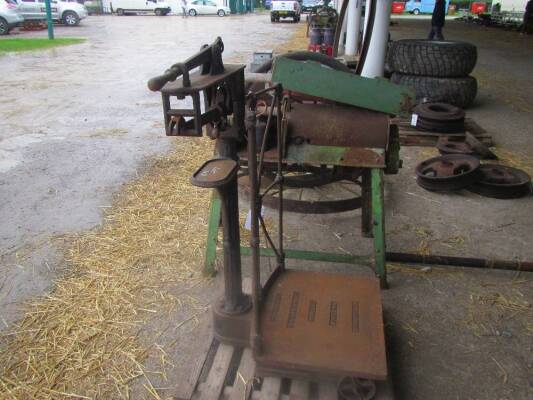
(449, 337)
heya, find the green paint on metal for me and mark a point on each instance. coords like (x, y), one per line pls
(312, 256)
(378, 219)
(212, 235)
(335, 155)
(49, 21)
(315, 79)
(313, 153)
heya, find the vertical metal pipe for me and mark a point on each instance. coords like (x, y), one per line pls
(49, 21)
(375, 61)
(366, 206)
(233, 295)
(353, 26)
(281, 117)
(255, 334)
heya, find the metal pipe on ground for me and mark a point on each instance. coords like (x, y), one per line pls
(410, 258)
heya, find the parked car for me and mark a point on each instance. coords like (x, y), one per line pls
(201, 7)
(158, 7)
(311, 5)
(422, 6)
(285, 9)
(9, 18)
(268, 4)
(68, 13)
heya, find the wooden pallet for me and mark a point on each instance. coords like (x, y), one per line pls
(411, 136)
(229, 374)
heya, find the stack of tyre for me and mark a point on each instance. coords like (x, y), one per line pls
(437, 71)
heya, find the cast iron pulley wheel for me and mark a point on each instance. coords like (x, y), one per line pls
(502, 182)
(351, 388)
(447, 173)
(440, 117)
(435, 58)
(448, 147)
(439, 112)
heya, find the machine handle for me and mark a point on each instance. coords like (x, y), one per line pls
(158, 82)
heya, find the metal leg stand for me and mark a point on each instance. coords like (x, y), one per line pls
(378, 223)
(366, 206)
(212, 236)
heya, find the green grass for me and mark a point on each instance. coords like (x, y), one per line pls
(14, 45)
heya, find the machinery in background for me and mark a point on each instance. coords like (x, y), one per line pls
(321, 26)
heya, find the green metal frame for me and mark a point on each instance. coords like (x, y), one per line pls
(212, 236)
(315, 79)
(378, 230)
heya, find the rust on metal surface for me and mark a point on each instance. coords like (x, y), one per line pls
(215, 173)
(336, 125)
(502, 182)
(320, 324)
(199, 81)
(448, 172)
(447, 146)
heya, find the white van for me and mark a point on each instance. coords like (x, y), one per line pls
(158, 7)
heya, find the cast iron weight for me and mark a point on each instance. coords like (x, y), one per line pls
(221, 174)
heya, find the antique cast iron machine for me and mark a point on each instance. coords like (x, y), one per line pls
(299, 323)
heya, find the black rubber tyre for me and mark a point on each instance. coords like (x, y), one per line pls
(4, 26)
(158, 12)
(120, 11)
(221, 13)
(192, 12)
(460, 92)
(433, 58)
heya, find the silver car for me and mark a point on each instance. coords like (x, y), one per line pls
(8, 17)
(69, 13)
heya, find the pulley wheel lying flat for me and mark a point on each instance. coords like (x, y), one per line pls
(447, 173)
(445, 146)
(439, 117)
(502, 182)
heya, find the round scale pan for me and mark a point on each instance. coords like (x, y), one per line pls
(501, 182)
(447, 173)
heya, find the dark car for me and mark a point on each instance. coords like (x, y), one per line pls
(311, 5)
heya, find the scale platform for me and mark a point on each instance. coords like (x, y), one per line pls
(320, 325)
